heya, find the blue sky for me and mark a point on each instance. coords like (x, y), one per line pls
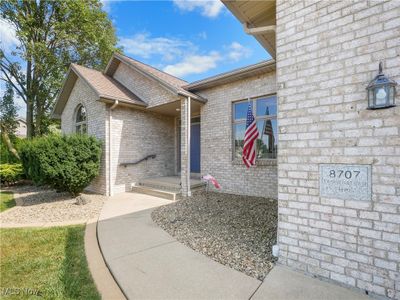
(192, 40)
(189, 39)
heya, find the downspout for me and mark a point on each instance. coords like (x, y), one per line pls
(110, 193)
(188, 122)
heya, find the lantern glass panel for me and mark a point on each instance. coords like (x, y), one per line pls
(371, 98)
(391, 95)
(380, 96)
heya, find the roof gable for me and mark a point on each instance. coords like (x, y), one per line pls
(167, 81)
(104, 86)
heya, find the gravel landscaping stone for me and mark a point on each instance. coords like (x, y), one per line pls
(43, 205)
(237, 231)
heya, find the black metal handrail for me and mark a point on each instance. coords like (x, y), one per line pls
(152, 156)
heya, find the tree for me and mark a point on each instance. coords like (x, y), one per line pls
(52, 34)
(8, 111)
(8, 119)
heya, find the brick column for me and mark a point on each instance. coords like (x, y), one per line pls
(185, 146)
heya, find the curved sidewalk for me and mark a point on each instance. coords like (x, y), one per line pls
(148, 263)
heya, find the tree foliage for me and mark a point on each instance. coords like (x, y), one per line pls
(52, 34)
(8, 111)
(68, 163)
(8, 124)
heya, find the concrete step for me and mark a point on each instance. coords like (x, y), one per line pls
(169, 195)
(160, 186)
(169, 183)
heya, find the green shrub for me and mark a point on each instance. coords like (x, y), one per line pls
(11, 173)
(68, 163)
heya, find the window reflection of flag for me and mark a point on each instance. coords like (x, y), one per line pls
(269, 131)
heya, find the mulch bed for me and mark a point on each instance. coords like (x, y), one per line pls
(236, 231)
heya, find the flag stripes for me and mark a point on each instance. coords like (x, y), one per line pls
(250, 137)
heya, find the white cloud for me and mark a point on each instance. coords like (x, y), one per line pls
(208, 8)
(145, 46)
(194, 64)
(203, 35)
(107, 4)
(197, 64)
(8, 38)
(237, 51)
(181, 57)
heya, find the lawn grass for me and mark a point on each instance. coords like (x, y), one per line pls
(49, 262)
(6, 201)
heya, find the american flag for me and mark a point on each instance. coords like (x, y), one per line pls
(250, 138)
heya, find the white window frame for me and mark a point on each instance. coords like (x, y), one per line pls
(257, 118)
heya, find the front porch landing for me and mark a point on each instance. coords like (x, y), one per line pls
(170, 182)
(167, 187)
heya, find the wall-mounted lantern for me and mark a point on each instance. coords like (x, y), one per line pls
(381, 91)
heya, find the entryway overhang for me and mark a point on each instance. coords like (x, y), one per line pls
(173, 109)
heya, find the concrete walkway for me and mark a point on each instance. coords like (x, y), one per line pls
(148, 263)
(101, 275)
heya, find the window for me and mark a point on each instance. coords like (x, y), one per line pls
(81, 120)
(264, 111)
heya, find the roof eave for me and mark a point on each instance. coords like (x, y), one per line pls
(54, 114)
(231, 76)
(193, 96)
(109, 100)
(267, 40)
(112, 98)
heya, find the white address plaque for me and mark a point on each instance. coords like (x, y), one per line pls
(349, 182)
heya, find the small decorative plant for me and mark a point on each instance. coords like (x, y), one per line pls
(11, 173)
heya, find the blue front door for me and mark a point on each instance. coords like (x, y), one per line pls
(195, 148)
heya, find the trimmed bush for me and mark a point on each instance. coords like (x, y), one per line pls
(68, 163)
(11, 173)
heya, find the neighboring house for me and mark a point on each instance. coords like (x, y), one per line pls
(326, 54)
(21, 129)
(139, 111)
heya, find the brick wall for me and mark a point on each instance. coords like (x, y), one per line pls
(146, 89)
(136, 134)
(96, 122)
(327, 52)
(216, 139)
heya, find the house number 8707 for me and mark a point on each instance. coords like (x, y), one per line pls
(342, 173)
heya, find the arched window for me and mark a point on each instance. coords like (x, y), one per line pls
(81, 120)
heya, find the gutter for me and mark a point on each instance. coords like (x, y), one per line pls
(258, 30)
(231, 75)
(116, 102)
